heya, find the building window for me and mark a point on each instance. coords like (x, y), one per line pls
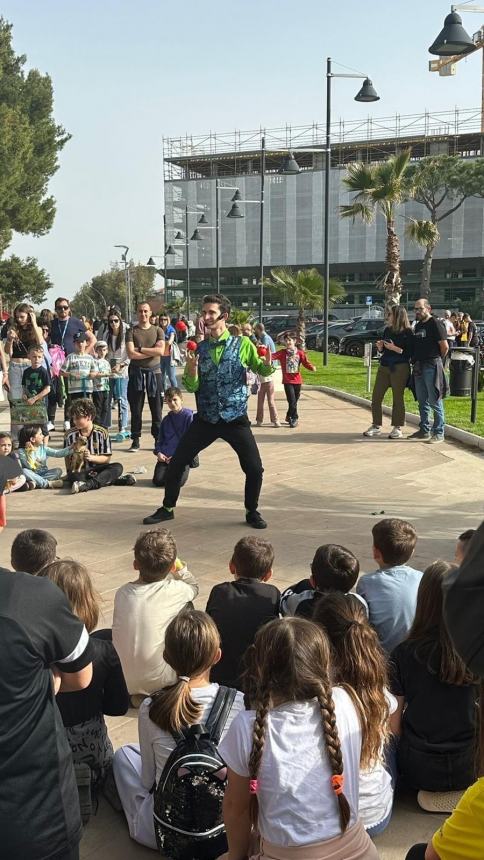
(464, 294)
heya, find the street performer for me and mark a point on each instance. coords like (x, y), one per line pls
(217, 373)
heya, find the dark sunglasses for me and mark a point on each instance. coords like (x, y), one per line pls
(114, 319)
(62, 307)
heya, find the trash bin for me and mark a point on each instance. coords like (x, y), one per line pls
(461, 369)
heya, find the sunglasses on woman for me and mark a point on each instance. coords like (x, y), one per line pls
(114, 319)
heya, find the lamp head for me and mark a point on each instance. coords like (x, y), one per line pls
(178, 235)
(289, 165)
(150, 262)
(170, 251)
(235, 211)
(452, 39)
(237, 196)
(367, 93)
(197, 236)
(203, 219)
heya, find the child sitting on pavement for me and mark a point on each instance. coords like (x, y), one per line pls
(101, 394)
(96, 470)
(144, 608)
(243, 605)
(291, 359)
(333, 568)
(172, 428)
(6, 451)
(32, 550)
(391, 591)
(33, 453)
(192, 647)
(462, 545)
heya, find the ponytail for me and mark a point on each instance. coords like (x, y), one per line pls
(192, 642)
(173, 708)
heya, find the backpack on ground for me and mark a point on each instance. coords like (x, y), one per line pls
(188, 799)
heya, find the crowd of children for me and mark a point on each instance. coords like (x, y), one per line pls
(315, 701)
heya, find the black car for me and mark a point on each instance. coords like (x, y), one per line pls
(354, 343)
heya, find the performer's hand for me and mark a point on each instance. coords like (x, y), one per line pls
(268, 357)
(191, 364)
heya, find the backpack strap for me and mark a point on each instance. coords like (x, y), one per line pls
(219, 712)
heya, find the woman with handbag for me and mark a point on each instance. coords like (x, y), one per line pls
(115, 335)
(22, 333)
(394, 370)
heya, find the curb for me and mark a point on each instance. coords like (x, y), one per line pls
(472, 440)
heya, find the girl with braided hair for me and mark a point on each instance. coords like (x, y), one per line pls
(293, 759)
(359, 665)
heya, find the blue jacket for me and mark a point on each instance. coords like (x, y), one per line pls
(172, 428)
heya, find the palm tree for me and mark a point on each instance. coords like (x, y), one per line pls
(303, 288)
(426, 234)
(380, 188)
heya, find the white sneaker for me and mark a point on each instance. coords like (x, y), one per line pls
(67, 425)
(374, 430)
(396, 433)
(77, 487)
(258, 423)
(50, 426)
(276, 423)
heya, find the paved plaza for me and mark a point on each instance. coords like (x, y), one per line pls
(323, 483)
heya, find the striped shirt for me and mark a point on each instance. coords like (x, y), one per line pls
(97, 442)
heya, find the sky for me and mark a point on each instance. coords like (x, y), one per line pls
(127, 73)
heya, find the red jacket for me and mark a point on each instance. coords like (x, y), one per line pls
(292, 378)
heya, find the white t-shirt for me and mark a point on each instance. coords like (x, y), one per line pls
(156, 745)
(79, 366)
(376, 791)
(297, 805)
(142, 612)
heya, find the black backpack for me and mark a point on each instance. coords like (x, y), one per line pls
(187, 809)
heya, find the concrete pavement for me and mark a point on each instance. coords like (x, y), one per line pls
(323, 483)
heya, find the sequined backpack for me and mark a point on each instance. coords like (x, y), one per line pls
(187, 809)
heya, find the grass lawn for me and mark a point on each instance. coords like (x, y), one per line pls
(349, 374)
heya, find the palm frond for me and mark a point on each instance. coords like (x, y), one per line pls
(364, 211)
(423, 232)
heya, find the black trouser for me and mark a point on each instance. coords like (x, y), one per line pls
(97, 475)
(102, 402)
(159, 477)
(200, 435)
(136, 400)
(435, 771)
(293, 392)
(54, 398)
(417, 852)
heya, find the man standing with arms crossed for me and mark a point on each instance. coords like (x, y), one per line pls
(429, 350)
(217, 372)
(145, 345)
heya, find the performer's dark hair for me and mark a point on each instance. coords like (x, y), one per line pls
(217, 299)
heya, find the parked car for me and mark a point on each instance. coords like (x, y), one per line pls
(340, 329)
(354, 343)
(276, 325)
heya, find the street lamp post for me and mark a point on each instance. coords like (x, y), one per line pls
(124, 258)
(365, 94)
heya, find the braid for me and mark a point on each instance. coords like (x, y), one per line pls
(333, 746)
(258, 739)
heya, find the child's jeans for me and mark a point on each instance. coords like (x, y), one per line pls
(41, 477)
(119, 392)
